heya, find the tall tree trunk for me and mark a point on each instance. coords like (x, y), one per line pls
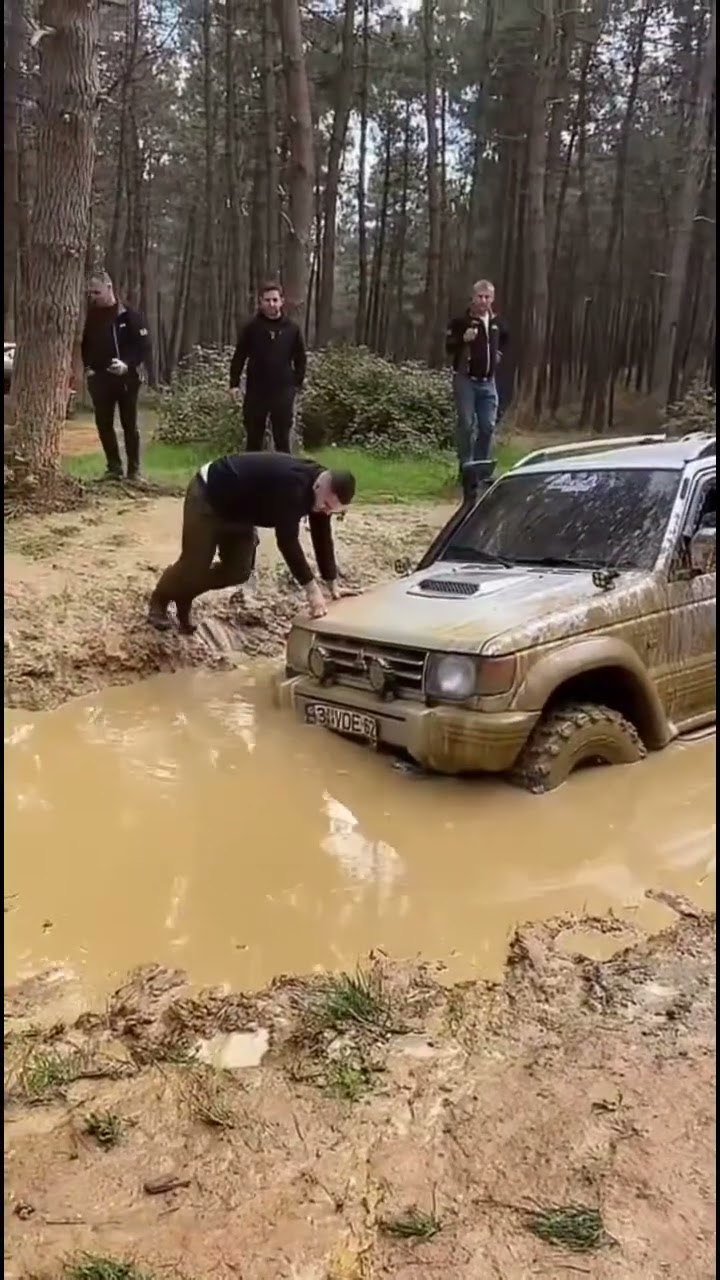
(59, 226)
(210, 322)
(302, 162)
(11, 195)
(341, 115)
(272, 163)
(696, 152)
(537, 230)
(361, 310)
(432, 274)
(232, 169)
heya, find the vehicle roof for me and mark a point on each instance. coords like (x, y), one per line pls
(668, 455)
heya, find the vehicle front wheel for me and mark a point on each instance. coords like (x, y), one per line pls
(571, 736)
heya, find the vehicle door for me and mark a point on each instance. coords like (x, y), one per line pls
(686, 676)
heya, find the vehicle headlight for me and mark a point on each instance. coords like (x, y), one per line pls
(455, 677)
(298, 650)
(452, 676)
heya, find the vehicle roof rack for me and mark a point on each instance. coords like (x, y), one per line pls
(586, 446)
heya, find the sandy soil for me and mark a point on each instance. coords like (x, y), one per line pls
(77, 586)
(571, 1084)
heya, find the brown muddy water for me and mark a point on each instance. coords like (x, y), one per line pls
(185, 820)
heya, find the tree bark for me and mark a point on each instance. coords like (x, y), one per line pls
(55, 258)
(362, 244)
(432, 276)
(341, 116)
(301, 161)
(666, 350)
(11, 168)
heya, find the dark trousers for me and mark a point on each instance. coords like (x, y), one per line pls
(204, 534)
(278, 407)
(107, 391)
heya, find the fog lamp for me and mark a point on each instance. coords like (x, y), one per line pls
(321, 664)
(381, 677)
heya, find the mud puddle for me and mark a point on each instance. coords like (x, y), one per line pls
(187, 821)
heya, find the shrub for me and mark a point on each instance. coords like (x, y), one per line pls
(351, 397)
(697, 411)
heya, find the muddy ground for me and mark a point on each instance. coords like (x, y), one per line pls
(560, 1123)
(77, 587)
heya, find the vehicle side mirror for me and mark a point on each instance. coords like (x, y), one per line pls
(702, 550)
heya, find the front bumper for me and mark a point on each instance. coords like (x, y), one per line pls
(444, 739)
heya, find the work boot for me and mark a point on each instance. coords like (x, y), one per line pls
(184, 617)
(113, 474)
(158, 613)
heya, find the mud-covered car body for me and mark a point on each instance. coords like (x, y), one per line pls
(583, 578)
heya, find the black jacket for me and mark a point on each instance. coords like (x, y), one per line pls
(478, 359)
(114, 333)
(274, 352)
(274, 491)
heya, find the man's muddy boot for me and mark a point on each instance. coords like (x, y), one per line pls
(113, 474)
(158, 614)
(184, 617)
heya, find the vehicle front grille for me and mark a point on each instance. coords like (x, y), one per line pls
(448, 587)
(351, 658)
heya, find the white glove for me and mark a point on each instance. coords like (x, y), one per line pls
(118, 366)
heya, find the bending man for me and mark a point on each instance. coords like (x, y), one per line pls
(225, 502)
(272, 346)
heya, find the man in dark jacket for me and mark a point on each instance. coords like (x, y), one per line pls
(476, 341)
(225, 502)
(115, 343)
(273, 349)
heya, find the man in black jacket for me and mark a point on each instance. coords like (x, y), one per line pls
(225, 502)
(475, 342)
(273, 349)
(115, 343)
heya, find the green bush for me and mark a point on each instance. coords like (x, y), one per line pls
(697, 411)
(351, 397)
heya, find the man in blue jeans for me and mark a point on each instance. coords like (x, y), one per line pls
(475, 342)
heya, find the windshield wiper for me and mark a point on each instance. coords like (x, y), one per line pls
(563, 562)
(474, 556)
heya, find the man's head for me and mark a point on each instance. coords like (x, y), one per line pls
(483, 296)
(271, 300)
(334, 491)
(101, 292)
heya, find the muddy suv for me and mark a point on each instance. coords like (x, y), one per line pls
(565, 618)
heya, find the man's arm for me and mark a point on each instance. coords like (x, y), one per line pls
(240, 355)
(503, 338)
(85, 345)
(322, 540)
(299, 359)
(287, 536)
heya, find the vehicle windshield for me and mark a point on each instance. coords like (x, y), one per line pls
(586, 519)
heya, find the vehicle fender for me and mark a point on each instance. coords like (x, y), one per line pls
(578, 658)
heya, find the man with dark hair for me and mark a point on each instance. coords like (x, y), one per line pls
(475, 342)
(115, 343)
(225, 502)
(273, 349)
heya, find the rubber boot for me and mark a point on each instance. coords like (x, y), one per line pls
(158, 613)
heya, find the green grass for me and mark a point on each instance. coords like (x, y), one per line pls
(355, 1000)
(572, 1227)
(414, 1224)
(91, 1266)
(44, 1073)
(400, 480)
(105, 1127)
(348, 1078)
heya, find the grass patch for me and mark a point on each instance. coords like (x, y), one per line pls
(46, 1072)
(210, 1098)
(572, 1227)
(413, 1224)
(348, 1078)
(357, 999)
(91, 1266)
(398, 480)
(106, 1127)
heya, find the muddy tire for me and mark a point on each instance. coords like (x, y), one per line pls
(573, 735)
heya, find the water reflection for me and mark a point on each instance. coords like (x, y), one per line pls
(187, 821)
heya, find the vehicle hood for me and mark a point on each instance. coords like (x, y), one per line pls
(511, 609)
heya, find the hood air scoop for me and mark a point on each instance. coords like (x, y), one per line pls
(448, 587)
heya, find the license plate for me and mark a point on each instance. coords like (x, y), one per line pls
(354, 724)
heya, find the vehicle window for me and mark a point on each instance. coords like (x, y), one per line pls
(613, 518)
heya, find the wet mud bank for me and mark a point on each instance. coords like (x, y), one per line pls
(77, 586)
(384, 1125)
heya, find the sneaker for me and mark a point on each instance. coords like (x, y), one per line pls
(184, 617)
(158, 614)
